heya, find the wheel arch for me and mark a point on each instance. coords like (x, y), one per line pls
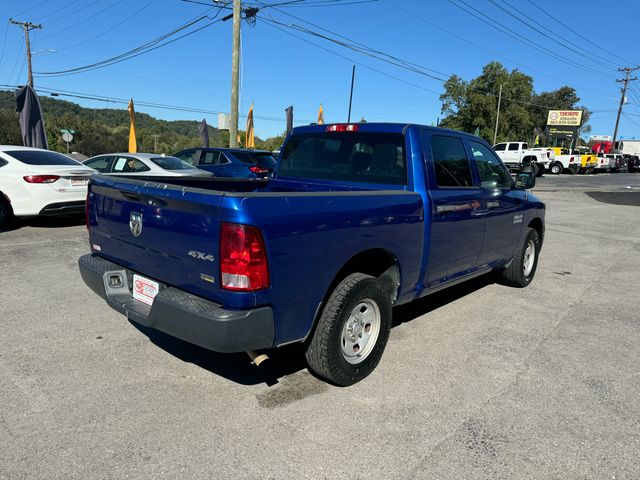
(377, 262)
(538, 226)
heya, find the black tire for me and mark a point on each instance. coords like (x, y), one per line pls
(6, 213)
(324, 352)
(539, 169)
(514, 275)
(529, 168)
(557, 168)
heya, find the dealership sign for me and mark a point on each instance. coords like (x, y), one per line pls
(564, 118)
(601, 138)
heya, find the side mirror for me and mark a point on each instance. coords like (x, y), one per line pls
(525, 180)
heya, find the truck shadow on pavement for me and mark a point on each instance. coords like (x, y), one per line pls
(45, 222)
(288, 360)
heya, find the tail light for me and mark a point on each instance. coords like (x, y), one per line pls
(257, 169)
(86, 210)
(343, 127)
(243, 258)
(571, 160)
(41, 178)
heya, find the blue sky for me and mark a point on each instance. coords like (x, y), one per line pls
(280, 70)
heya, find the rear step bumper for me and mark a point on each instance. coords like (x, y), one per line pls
(180, 314)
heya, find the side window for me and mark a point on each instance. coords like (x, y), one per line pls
(223, 159)
(525, 146)
(100, 164)
(210, 158)
(3, 162)
(513, 146)
(491, 170)
(450, 162)
(500, 147)
(129, 165)
(188, 156)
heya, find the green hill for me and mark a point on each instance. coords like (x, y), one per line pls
(103, 130)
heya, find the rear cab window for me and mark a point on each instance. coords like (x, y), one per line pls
(44, 157)
(361, 157)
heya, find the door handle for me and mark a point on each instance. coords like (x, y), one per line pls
(459, 207)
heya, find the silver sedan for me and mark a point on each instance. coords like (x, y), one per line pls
(143, 164)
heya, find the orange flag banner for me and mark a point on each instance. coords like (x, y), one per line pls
(133, 144)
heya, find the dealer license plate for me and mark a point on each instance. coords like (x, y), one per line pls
(78, 181)
(144, 290)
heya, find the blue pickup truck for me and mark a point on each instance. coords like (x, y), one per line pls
(357, 218)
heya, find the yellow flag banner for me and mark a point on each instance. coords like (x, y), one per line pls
(250, 141)
(321, 116)
(133, 144)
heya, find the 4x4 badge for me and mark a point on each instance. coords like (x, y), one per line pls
(135, 223)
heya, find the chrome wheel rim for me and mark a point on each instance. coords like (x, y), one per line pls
(529, 258)
(360, 331)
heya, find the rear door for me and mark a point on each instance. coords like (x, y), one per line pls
(502, 206)
(457, 222)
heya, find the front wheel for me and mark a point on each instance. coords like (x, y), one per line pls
(522, 269)
(352, 331)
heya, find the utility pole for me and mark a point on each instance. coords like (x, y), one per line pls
(353, 77)
(235, 74)
(495, 132)
(627, 71)
(26, 26)
(155, 143)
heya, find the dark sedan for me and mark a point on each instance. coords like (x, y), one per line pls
(230, 162)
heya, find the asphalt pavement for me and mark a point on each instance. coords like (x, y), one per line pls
(480, 381)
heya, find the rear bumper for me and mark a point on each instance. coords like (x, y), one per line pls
(63, 208)
(181, 314)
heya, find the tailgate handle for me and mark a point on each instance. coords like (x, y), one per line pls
(149, 200)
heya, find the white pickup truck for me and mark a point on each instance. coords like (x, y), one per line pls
(517, 156)
(564, 161)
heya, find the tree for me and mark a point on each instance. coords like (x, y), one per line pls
(473, 104)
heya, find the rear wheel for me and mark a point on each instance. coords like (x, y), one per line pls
(352, 331)
(556, 168)
(6, 212)
(522, 269)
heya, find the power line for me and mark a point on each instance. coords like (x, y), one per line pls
(403, 63)
(143, 103)
(586, 39)
(75, 23)
(142, 49)
(522, 39)
(110, 29)
(565, 43)
(473, 44)
(569, 45)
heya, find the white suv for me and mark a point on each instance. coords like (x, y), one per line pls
(40, 182)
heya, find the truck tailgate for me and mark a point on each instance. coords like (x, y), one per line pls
(163, 232)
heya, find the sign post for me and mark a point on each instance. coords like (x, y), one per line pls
(67, 136)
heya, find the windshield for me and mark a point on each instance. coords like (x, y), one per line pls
(172, 163)
(351, 156)
(41, 157)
